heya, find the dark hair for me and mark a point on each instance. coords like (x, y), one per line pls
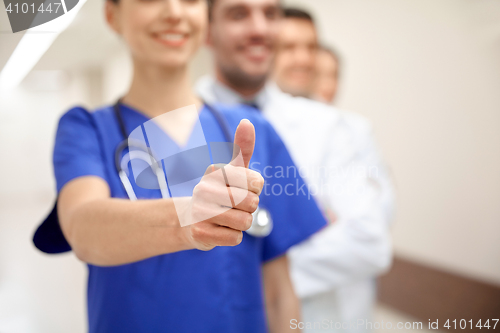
(292, 12)
(210, 8)
(211, 4)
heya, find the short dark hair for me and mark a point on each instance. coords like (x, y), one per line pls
(292, 12)
(210, 8)
(211, 4)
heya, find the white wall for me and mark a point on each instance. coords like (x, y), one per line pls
(38, 293)
(116, 75)
(427, 74)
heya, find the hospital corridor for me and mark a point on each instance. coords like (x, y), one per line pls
(392, 222)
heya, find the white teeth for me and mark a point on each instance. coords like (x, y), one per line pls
(172, 37)
(257, 50)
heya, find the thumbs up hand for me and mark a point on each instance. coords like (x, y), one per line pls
(223, 202)
(244, 143)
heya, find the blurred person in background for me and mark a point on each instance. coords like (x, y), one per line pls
(146, 272)
(295, 65)
(326, 79)
(334, 271)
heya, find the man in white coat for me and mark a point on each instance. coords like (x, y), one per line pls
(334, 271)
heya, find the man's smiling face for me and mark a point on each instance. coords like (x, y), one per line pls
(243, 35)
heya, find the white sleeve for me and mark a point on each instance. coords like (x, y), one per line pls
(358, 244)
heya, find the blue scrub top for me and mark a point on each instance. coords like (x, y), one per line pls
(189, 291)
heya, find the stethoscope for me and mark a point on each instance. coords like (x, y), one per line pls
(262, 224)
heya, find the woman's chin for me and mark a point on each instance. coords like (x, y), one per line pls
(169, 62)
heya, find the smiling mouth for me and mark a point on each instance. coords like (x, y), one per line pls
(171, 38)
(257, 52)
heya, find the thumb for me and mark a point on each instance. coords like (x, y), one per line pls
(244, 143)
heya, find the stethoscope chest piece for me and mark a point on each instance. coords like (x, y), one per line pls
(262, 224)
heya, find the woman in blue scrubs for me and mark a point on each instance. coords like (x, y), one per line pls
(146, 272)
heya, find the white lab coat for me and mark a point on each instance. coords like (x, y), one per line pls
(334, 271)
